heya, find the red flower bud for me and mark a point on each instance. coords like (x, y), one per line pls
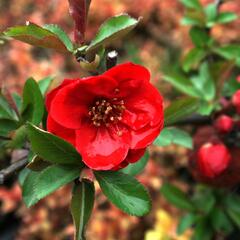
(236, 101)
(224, 124)
(238, 78)
(213, 159)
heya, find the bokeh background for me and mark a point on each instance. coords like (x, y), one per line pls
(158, 42)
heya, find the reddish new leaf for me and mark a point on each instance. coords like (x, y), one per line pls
(79, 11)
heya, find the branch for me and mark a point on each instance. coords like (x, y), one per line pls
(15, 167)
(194, 120)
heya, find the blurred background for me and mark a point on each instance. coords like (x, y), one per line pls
(158, 42)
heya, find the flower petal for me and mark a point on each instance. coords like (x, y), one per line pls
(134, 155)
(53, 93)
(71, 104)
(100, 148)
(144, 137)
(129, 77)
(56, 129)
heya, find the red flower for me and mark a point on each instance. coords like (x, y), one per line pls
(224, 124)
(213, 159)
(110, 118)
(236, 101)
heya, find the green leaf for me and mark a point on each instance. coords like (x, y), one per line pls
(181, 83)
(177, 197)
(134, 169)
(82, 206)
(186, 222)
(22, 176)
(18, 100)
(180, 109)
(234, 216)
(52, 148)
(38, 36)
(199, 37)
(8, 125)
(112, 29)
(193, 59)
(203, 230)
(44, 84)
(5, 110)
(229, 52)
(33, 104)
(125, 192)
(61, 35)
(174, 136)
(19, 138)
(194, 4)
(220, 221)
(211, 14)
(40, 184)
(28, 190)
(226, 17)
(204, 83)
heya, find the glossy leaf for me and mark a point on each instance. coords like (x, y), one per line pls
(52, 148)
(5, 110)
(44, 84)
(186, 222)
(61, 35)
(180, 109)
(174, 136)
(82, 206)
(194, 4)
(202, 230)
(19, 138)
(193, 59)
(177, 197)
(37, 164)
(199, 37)
(125, 192)
(37, 36)
(40, 184)
(112, 29)
(181, 83)
(134, 169)
(226, 17)
(7, 125)
(33, 104)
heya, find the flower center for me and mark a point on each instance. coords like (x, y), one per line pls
(104, 112)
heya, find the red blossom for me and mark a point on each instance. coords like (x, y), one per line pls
(236, 101)
(213, 159)
(110, 118)
(224, 124)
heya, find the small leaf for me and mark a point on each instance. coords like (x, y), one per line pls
(226, 17)
(82, 206)
(204, 83)
(177, 197)
(112, 29)
(37, 36)
(220, 221)
(203, 230)
(199, 37)
(52, 148)
(186, 222)
(33, 104)
(61, 35)
(180, 109)
(44, 84)
(29, 196)
(54, 177)
(8, 125)
(134, 169)
(19, 138)
(181, 83)
(193, 59)
(234, 216)
(194, 4)
(211, 14)
(174, 136)
(40, 184)
(125, 192)
(22, 176)
(5, 110)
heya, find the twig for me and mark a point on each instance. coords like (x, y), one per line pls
(15, 167)
(218, 3)
(4, 138)
(194, 120)
(111, 59)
